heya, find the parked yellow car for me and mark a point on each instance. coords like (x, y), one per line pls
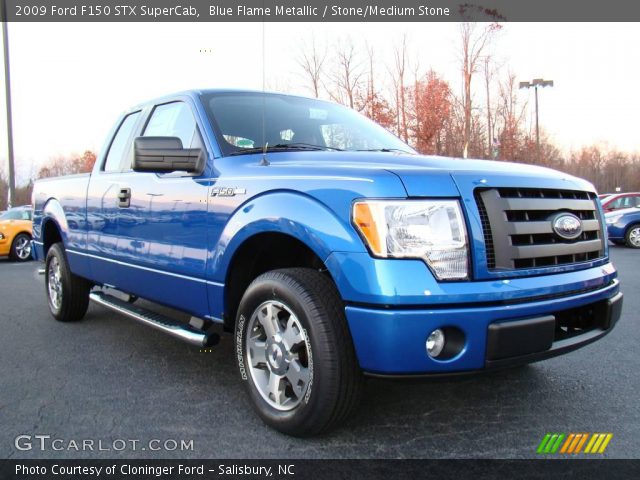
(15, 233)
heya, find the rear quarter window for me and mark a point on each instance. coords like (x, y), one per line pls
(118, 154)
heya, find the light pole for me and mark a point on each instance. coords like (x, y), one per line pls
(535, 83)
(7, 90)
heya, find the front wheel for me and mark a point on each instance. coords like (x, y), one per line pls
(295, 353)
(67, 293)
(632, 238)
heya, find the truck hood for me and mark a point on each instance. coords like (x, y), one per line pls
(439, 176)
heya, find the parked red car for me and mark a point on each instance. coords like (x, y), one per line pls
(618, 201)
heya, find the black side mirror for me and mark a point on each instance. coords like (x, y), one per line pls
(165, 154)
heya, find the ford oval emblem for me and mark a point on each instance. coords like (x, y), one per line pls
(567, 226)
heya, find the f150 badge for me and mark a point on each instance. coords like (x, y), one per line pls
(227, 191)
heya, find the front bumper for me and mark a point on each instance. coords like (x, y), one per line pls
(392, 341)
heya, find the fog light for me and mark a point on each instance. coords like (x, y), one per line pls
(435, 343)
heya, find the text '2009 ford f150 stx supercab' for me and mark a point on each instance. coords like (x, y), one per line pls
(327, 246)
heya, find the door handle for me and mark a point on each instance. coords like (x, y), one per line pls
(124, 198)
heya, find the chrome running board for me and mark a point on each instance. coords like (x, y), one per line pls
(180, 330)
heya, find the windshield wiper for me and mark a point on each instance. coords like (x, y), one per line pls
(392, 150)
(283, 147)
(310, 146)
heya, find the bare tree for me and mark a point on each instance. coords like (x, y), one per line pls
(371, 101)
(488, 74)
(312, 62)
(347, 76)
(371, 78)
(510, 120)
(474, 38)
(398, 74)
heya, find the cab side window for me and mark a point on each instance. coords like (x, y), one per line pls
(174, 120)
(116, 157)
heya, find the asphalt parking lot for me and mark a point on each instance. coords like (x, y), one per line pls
(109, 378)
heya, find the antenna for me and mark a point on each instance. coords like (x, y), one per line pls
(264, 162)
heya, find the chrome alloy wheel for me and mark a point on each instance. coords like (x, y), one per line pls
(54, 283)
(634, 237)
(23, 248)
(279, 355)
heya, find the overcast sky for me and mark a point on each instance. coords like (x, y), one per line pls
(71, 81)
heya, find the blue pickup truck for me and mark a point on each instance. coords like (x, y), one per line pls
(327, 247)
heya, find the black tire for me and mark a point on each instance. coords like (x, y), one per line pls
(631, 237)
(73, 302)
(18, 252)
(335, 382)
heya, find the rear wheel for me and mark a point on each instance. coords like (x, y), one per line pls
(632, 238)
(67, 293)
(295, 353)
(21, 248)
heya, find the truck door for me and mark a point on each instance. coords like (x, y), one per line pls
(162, 234)
(103, 200)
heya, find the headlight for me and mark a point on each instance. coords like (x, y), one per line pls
(1, 236)
(613, 219)
(432, 230)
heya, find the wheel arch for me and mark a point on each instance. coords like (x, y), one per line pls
(21, 232)
(51, 233)
(279, 229)
(261, 253)
(635, 223)
(54, 227)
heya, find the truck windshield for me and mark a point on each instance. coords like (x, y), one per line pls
(245, 121)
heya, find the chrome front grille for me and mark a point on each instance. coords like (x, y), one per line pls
(518, 230)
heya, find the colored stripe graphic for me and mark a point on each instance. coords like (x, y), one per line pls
(573, 443)
(543, 443)
(556, 445)
(599, 443)
(607, 439)
(591, 442)
(576, 442)
(596, 445)
(581, 443)
(551, 443)
(565, 447)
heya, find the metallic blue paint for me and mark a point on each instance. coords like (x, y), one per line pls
(393, 341)
(176, 241)
(505, 175)
(401, 282)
